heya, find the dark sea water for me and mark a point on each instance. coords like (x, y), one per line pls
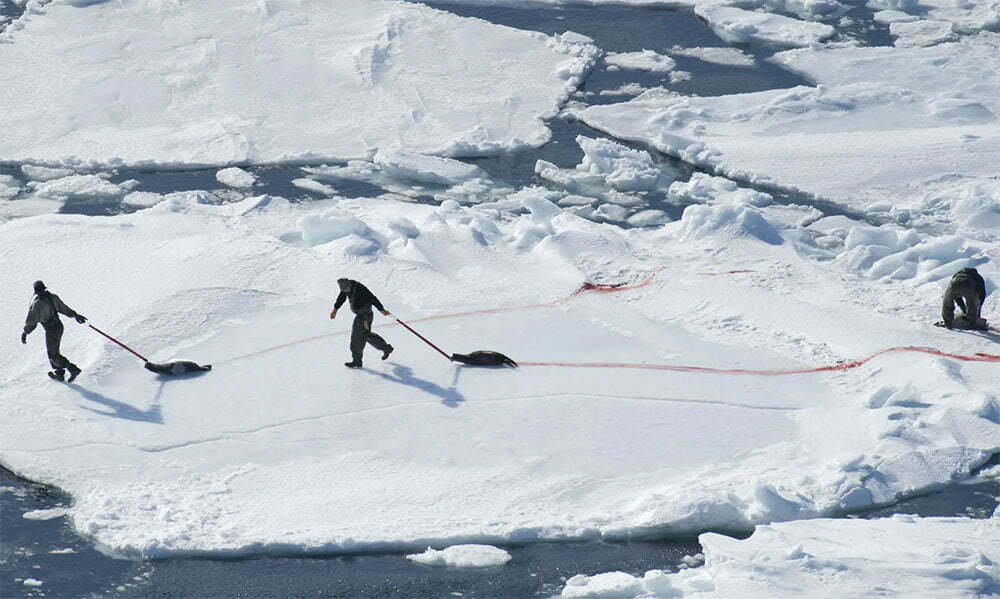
(70, 566)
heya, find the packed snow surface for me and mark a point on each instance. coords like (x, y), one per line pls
(903, 556)
(462, 556)
(280, 447)
(232, 82)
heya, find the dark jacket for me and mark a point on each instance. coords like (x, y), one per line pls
(361, 299)
(45, 309)
(970, 277)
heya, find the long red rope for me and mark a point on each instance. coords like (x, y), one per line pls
(615, 288)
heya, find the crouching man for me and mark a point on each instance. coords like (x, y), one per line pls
(967, 289)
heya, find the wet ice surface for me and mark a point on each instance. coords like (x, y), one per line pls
(67, 565)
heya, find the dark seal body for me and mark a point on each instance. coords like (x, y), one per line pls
(484, 358)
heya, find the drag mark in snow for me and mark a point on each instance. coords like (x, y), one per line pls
(978, 357)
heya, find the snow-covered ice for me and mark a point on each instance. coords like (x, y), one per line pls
(733, 57)
(903, 556)
(462, 556)
(261, 451)
(229, 82)
(738, 25)
(880, 118)
(646, 60)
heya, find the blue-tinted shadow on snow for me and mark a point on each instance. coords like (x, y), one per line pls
(403, 375)
(119, 409)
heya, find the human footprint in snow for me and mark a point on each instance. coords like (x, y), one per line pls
(361, 301)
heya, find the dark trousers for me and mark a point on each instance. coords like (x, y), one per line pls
(967, 298)
(53, 337)
(361, 333)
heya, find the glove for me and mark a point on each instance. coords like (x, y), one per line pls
(24, 337)
(80, 318)
(385, 313)
(333, 314)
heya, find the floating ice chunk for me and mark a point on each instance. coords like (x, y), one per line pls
(314, 186)
(610, 585)
(235, 177)
(678, 76)
(80, 187)
(733, 57)
(611, 212)
(893, 16)
(606, 165)
(45, 173)
(707, 189)
(921, 33)
(904, 6)
(32, 583)
(9, 187)
(646, 60)
(463, 556)
(739, 26)
(426, 169)
(50, 514)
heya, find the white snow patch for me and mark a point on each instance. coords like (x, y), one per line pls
(408, 166)
(235, 177)
(463, 556)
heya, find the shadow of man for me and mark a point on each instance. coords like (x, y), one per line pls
(403, 375)
(119, 409)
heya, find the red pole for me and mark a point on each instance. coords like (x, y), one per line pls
(137, 354)
(422, 338)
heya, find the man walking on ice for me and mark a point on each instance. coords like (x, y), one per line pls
(967, 288)
(45, 309)
(361, 302)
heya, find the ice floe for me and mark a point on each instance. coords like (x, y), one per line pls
(646, 60)
(462, 556)
(904, 556)
(232, 83)
(737, 25)
(235, 177)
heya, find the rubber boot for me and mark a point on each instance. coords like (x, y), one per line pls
(57, 375)
(353, 364)
(388, 350)
(74, 370)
